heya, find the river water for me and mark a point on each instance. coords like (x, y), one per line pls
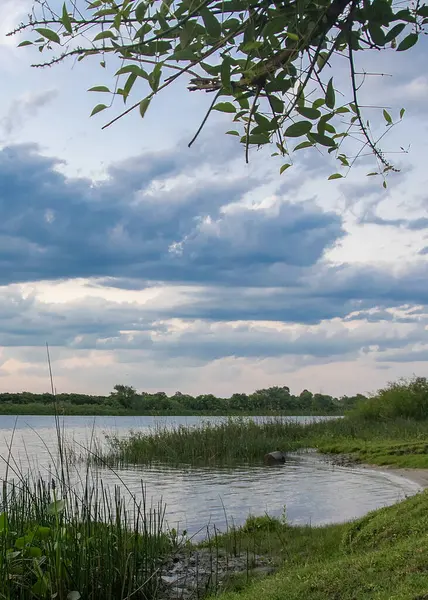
(311, 490)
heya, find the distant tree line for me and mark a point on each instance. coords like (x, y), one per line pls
(125, 398)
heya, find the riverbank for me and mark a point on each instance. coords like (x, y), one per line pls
(418, 476)
(382, 556)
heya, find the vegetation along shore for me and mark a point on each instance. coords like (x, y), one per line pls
(75, 540)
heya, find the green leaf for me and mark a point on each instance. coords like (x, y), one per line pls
(144, 105)
(34, 552)
(317, 103)
(25, 43)
(387, 117)
(50, 35)
(423, 10)
(321, 139)
(372, 174)
(258, 139)
(65, 20)
(129, 85)
(408, 42)
(225, 107)
(58, 506)
(303, 145)
(99, 88)
(263, 121)
(42, 532)
(212, 26)
(185, 54)
(322, 59)
(292, 36)
(133, 69)
(243, 102)
(140, 11)
(394, 32)
(377, 34)
(41, 587)
(309, 113)
(23, 541)
(298, 129)
(335, 176)
(276, 103)
(154, 77)
(402, 111)
(98, 108)
(330, 97)
(232, 132)
(102, 35)
(284, 168)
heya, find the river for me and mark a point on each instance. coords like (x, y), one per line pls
(311, 490)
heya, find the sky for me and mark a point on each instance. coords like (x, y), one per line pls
(146, 263)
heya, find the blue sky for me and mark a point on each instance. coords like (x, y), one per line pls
(143, 262)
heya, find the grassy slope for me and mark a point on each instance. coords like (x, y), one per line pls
(383, 556)
(385, 452)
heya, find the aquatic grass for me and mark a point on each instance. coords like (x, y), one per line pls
(66, 536)
(89, 543)
(245, 441)
(229, 441)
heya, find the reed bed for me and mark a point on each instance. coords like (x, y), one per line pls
(244, 441)
(70, 545)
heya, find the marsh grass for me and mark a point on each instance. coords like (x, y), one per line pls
(227, 442)
(65, 536)
(71, 546)
(245, 441)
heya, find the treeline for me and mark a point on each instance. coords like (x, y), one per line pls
(126, 400)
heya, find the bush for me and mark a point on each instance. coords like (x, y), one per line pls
(406, 399)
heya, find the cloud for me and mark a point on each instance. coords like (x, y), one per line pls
(24, 108)
(158, 217)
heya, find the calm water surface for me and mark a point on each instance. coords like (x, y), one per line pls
(312, 490)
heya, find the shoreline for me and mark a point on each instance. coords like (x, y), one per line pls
(415, 475)
(418, 476)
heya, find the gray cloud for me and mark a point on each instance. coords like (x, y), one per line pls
(135, 225)
(25, 108)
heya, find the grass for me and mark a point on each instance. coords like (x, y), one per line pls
(229, 441)
(383, 556)
(237, 441)
(70, 546)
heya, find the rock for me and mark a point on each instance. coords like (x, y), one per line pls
(193, 574)
(274, 458)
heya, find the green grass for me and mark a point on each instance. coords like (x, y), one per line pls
(71, 546)
(232, 441)
(383, 556)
